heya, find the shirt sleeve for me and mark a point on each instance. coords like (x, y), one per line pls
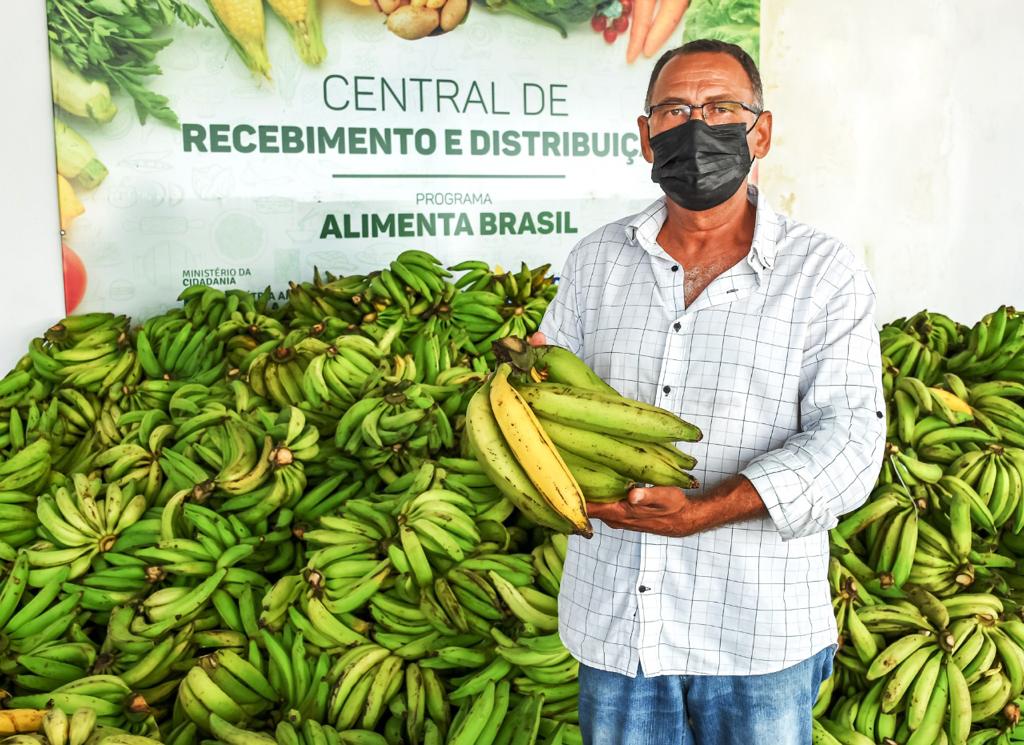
(831, 465)
(562, 324)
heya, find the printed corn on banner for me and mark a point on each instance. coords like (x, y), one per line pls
(241, 143)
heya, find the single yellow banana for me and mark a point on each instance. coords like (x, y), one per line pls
(536, 452)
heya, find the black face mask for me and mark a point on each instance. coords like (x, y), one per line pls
(699, 166)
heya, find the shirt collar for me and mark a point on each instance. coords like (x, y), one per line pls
(644, 227)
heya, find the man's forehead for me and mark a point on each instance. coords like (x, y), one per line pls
(702, 70)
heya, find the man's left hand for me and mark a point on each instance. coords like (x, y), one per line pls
(655, 509)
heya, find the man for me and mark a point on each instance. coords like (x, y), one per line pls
(705, 617)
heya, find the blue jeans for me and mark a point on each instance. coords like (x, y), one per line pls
(774, 708)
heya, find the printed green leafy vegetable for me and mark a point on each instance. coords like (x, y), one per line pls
(735, 21)
(115, 41)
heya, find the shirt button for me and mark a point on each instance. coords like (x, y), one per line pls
(879, 414)
(675, 267)
(677, 325)
(667, 389)
(643, 588)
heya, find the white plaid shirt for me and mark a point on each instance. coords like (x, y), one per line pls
(778, 363)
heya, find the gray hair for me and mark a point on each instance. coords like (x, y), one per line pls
(710, 45)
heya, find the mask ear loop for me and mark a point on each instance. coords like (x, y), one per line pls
(756, 120)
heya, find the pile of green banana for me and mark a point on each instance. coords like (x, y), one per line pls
(343, 519)
(245, 522)
(552, 435)
(927, 576)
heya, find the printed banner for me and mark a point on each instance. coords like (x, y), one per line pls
(239, 143)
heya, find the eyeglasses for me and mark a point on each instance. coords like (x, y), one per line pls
(668, 115)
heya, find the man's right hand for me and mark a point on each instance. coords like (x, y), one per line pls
(538, 339)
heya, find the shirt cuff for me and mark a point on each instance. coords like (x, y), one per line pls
(788, 496)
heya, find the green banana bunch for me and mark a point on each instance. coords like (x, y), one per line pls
(20, 388)
(332, 301)
(940, 332)
(994, 347)
(107, 695)
(18, 521)
(170, 347)
(85, 353)
(411, 283)
(29, 469)
(443, 521)
(583, 437)
(362, 681)
(497, 304)
(79, 526)
(466, 476)
(210, 306)
(51, 664)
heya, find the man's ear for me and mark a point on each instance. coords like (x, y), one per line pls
(761, 136)
(645, 138)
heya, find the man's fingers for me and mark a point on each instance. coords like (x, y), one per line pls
(538, 339)
(637, 495)
(604, 511)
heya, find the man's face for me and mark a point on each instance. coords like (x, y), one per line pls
(696, 79)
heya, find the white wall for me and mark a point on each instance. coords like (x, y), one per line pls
(33, 294)
(897, 128)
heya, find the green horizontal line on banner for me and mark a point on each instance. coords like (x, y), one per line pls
(449, 175)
